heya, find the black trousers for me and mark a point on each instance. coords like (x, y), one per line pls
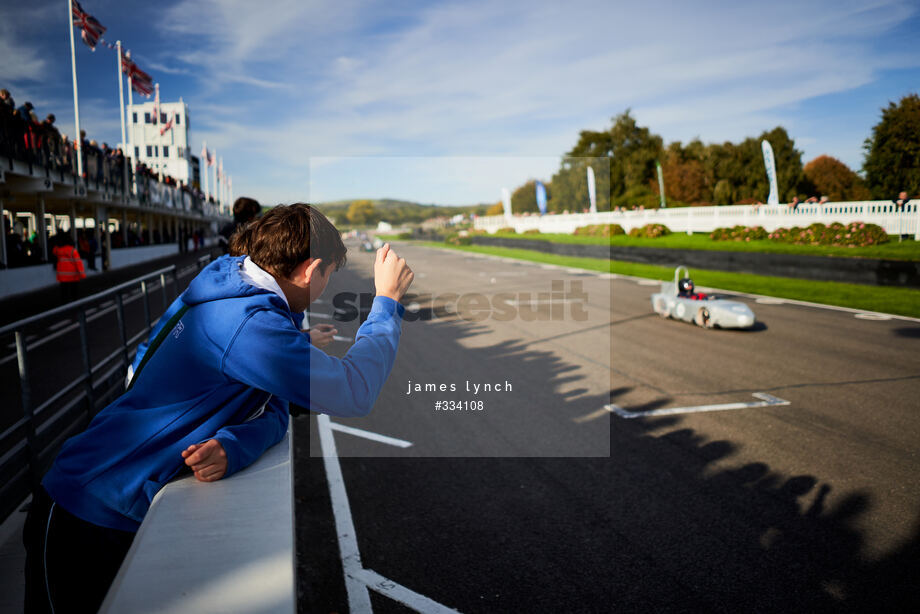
(70, 563)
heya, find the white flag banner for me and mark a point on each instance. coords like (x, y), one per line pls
(770, 163)
(506, 202)
(592, 190)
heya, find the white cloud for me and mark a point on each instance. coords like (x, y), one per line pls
(513, 78)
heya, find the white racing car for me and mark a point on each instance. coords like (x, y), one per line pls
(678, 299)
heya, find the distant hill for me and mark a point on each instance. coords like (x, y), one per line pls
(399, 211)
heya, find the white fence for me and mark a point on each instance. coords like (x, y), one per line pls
(706, 219)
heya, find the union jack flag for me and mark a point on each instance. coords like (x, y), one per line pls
(207, 156)
(141, 82)
(166, 126)
(90, 28)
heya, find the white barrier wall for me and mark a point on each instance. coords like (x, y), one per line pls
(225, 546)
(706, 219)
(28, 278)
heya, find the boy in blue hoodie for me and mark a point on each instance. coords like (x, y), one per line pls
(211, 394)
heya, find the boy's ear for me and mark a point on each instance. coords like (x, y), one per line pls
(307, 268)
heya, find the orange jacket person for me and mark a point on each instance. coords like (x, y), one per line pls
(69, 267)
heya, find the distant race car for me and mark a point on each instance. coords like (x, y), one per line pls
(679, 300)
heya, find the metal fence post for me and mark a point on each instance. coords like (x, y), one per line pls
(163, 291)
(26, 391)
(121, 327)
(146, 304)
(87, 365)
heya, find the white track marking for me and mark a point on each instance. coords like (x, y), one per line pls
(403, 595)
(359, 600)
(770, 301)
(399, 443)
(868, 315)
(514, 301)
(767, 401)
(358, 579)
(649, 282)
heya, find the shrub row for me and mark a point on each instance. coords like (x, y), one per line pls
(650, 231)
(854, 234)
(600, 230)
(739, 233)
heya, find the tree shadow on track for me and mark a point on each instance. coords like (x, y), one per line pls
(664, 523)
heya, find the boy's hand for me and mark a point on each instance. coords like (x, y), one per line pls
(392, 276)
(321, 334)
(208, 460)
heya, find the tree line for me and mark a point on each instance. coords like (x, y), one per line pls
(624, 160)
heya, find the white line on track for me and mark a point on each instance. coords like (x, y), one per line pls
(767, 400)
(868, 315)
(357, 579)
(399, 443)
(649, 282)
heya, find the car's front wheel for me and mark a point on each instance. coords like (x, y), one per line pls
(703, 318)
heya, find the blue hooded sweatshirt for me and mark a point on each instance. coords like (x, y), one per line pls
(225, 371)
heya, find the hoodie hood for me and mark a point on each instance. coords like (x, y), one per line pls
(221, 280)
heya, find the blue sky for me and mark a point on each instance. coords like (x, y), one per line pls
(447, 102)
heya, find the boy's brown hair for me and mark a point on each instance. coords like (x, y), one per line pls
(287, 235)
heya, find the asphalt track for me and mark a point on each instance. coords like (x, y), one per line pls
(548, 500)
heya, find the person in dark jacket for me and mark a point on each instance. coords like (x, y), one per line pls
(245, 210)
(209, 394)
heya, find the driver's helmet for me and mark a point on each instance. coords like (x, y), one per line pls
(685, 285)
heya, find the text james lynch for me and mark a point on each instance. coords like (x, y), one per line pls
(469, 387)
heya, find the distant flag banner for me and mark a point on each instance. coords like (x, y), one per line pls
(664, 203)
(592, 190)
(770, 163)
(90, 28)
(167, 126)
(205, 156)
(141, 82)
(541, 197)
(506, 202)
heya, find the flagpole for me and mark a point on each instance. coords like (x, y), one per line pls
(156, 124)
(131, 134)
(76, 104)
(207, 171)
(230, 189)
(121, 113)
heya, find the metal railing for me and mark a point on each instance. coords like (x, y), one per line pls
(28, 444)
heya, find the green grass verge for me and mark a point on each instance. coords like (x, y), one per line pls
(905, 250)
(884, 299)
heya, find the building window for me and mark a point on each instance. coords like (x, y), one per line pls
(135, 117)
(165, 151)
(146, 118)
(149, 151)
(162, 117)
(178, 119)
(181, 150)
(156, 151)
(137, 153)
